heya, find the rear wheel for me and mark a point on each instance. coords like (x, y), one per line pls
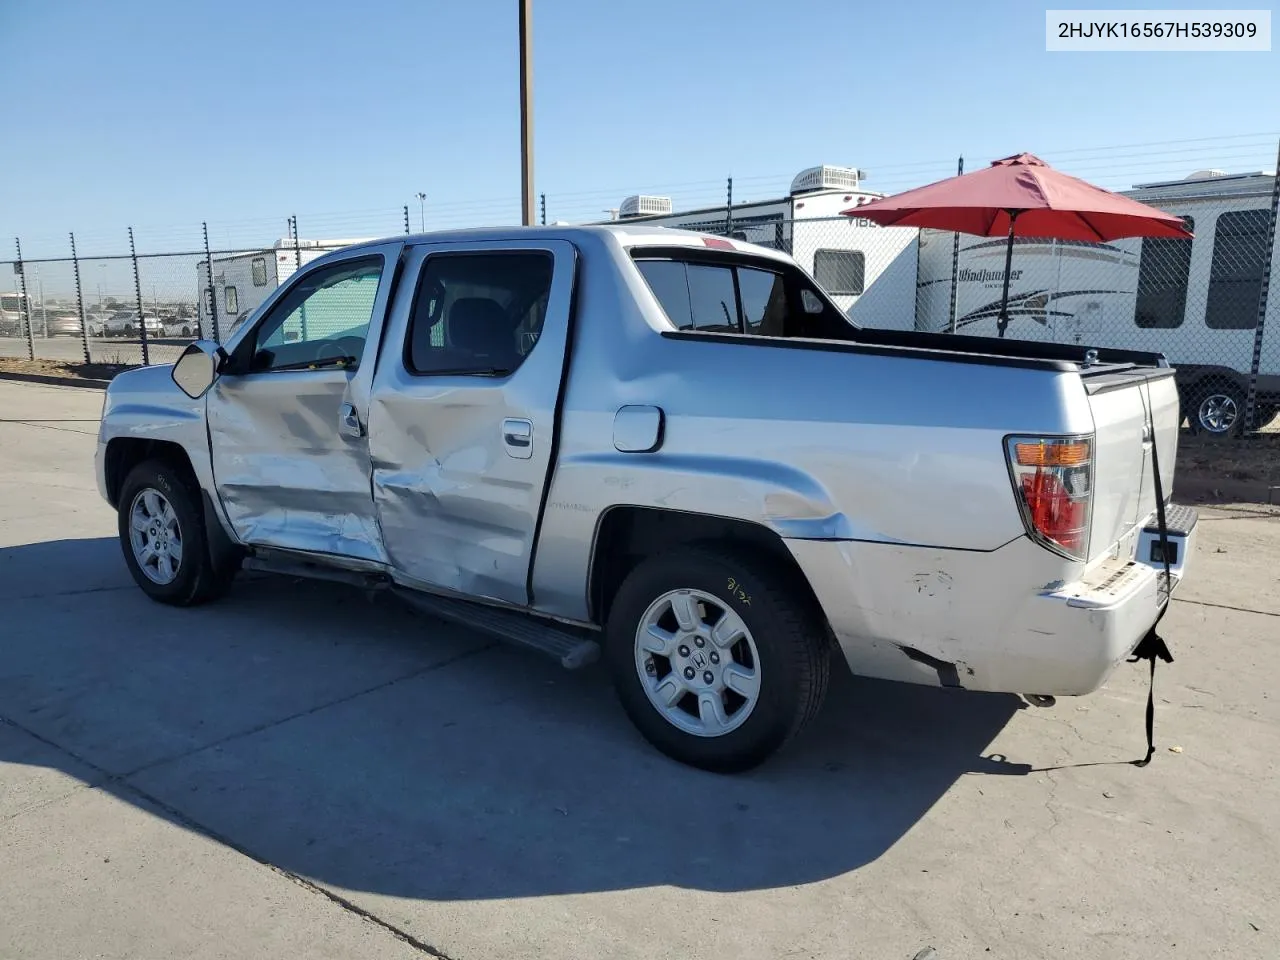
(715, 658)
(163, 537)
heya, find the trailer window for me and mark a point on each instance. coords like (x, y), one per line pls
(1235, 278)
(259, 266)
(1164, 267)
(840, 272)
(230, 298)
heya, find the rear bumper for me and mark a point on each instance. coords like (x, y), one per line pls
(984, 621)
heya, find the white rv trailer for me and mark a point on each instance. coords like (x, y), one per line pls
(241, 282)
(844, 254)
(1196, 300)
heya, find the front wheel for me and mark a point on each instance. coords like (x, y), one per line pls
(717, 659)
(163, 537)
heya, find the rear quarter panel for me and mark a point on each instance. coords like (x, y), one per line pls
(812, 444)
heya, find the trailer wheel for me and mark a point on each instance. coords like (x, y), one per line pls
(1217, 410)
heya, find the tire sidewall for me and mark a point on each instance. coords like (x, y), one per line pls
(165, 480)
(772, 720)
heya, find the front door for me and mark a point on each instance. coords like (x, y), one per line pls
(462, 417)
(287, 420)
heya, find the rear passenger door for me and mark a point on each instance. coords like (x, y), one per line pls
(463, 412)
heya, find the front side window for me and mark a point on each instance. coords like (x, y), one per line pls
(259, 267)
(478, 314)
(840, 272)
(230, 298)
(324, 318)
(1240, 254)
(1163, 270)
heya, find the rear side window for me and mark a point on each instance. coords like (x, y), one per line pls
(732, 296)
(478, 313)
(840, 272)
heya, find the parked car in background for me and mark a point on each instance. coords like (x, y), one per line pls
(559, 436)
(96, 323)
(61, 323)
(126, 324)
(183, 327)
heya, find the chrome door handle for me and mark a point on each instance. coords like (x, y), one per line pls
(349, 421)
(517, 437)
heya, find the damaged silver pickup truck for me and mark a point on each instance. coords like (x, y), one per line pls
(669, 449)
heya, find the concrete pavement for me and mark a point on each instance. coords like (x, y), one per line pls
(298, 771)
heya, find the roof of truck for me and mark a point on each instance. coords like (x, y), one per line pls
(629, 235)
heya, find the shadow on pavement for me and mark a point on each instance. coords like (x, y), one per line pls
(366, 747)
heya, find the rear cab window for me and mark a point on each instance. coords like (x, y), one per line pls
(714, 291)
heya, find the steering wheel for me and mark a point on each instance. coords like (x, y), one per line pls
(342, 347)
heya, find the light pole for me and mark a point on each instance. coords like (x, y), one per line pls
(422, 210)
(526, 111)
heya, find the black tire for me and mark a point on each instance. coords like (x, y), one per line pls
(788, 631)
(196, 579)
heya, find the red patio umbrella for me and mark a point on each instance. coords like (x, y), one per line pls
(1025, 193)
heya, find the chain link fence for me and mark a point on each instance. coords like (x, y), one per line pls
(1203, 302)
(130, 310)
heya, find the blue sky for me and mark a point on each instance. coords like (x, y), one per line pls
(164, 114)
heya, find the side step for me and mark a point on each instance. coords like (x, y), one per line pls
(282, 562)
(573, 648)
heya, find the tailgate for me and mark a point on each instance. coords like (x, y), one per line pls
(1131, 408)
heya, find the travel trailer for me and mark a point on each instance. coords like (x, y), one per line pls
(1193, 300)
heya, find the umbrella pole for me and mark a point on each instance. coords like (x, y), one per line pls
(1008, 264)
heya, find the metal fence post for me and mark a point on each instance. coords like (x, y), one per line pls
(297, 265)
(542, 199)
(24, 310)
(728, 210)
(84, 321)
(406, 218)
(213, 297)
(1251, 399)
(955, 260)
(137, 288)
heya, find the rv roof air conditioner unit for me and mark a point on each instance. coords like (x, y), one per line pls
(642, 206)
(1205, 174)
(827, 178)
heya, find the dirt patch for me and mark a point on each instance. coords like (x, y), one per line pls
(64, 369)
(1228, 471)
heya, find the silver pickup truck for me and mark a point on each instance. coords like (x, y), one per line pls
(670, 449)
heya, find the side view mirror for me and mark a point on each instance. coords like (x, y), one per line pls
(198, 367)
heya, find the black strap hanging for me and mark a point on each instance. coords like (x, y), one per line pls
(1152, 646)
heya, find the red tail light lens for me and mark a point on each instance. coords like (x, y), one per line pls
(1053, 483)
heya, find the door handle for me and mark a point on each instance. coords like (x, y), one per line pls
(517, 436)
(349, 421)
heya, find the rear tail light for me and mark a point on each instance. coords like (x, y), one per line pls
(1053, 483)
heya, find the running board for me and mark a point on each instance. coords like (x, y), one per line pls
(292, 564)
(573, 648)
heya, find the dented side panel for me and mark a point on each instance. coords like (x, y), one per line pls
(285, 472)
(457, 500)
